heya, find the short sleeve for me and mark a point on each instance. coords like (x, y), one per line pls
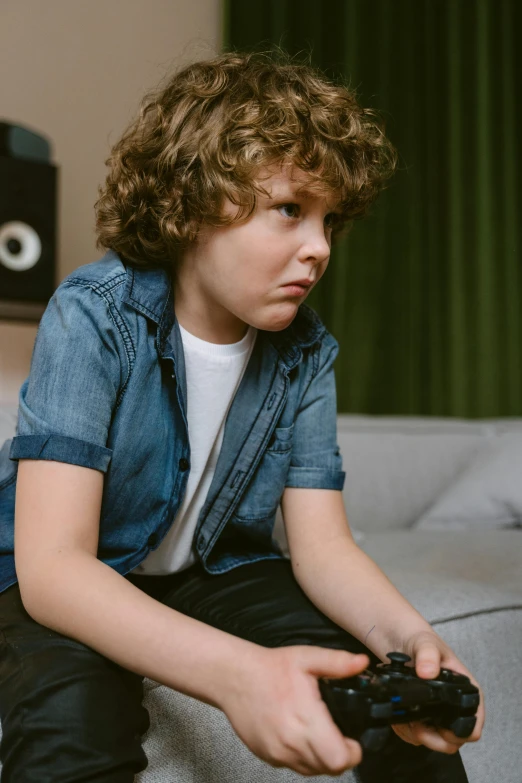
(67, 402)
(316, 461)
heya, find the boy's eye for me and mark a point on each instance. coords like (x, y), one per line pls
(291, 207)
(330, 219)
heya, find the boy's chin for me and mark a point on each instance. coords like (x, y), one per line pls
(279, 322)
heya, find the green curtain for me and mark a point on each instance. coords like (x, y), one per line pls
(424, 293)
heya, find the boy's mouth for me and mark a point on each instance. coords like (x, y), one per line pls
(294, 289)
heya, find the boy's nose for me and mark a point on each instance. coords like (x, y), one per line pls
(316, 250)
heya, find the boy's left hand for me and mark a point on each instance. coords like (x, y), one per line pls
(430, 653)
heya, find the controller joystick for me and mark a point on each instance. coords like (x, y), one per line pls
(398, 660)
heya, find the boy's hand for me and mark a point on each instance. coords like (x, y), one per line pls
(430, 653)
(275, 706)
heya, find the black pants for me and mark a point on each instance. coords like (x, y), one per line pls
(69, 714)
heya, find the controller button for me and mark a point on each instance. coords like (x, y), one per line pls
(384, 710)
(462, 727)
(470, 700)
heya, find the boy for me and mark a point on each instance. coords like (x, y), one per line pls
(179, 391)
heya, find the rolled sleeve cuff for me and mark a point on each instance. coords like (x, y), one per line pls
(61, 449)
(315, 478)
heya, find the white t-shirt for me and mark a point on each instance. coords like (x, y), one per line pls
(214, 373)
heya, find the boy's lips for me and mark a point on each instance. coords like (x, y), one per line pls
(295, 289)
(305, 283)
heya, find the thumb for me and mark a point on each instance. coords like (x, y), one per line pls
(427, 660)
(324, 662)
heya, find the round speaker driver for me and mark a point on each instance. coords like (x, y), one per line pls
(20, 246)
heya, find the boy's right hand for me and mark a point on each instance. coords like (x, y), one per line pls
(275, 707)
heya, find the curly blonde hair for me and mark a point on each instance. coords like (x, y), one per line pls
(207, 133)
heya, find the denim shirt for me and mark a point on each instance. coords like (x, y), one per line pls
(107, 390)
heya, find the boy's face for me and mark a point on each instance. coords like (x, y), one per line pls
(238, 275)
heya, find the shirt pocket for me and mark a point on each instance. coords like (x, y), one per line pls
(264, 490)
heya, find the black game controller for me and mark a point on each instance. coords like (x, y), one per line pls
(364, 706)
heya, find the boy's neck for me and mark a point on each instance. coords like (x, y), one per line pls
(211, 335)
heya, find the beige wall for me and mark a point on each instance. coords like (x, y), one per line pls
(75, 70)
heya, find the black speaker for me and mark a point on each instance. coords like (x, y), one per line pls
(28, 218)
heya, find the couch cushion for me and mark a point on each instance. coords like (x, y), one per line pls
(446, 575)
(192, 742)
(397, 467)
(488, 494)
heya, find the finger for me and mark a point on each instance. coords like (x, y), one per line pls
(427, 660)
(452, 738)
(356, 754)
(404, 731)
(476, 734)
(481, 719)
(432, 739)
(477, 731)
(333, 751)
(325, 662)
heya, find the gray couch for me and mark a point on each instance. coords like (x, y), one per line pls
(437, 504)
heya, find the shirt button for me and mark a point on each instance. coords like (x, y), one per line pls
(152, 539)
(183, 463)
